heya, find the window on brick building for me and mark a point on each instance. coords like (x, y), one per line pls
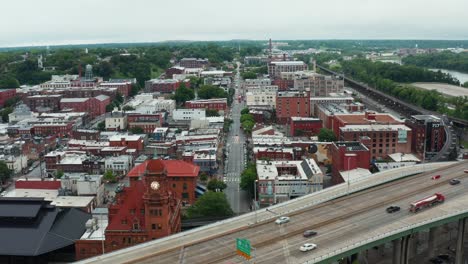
(185, 195)
(153, 226)
(185, 186)
(132, 211)
(124, 221)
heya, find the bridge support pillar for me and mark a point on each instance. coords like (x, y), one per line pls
(405, 241)
(460, 241)
(414, 244)
(432, 241)
(396, 251)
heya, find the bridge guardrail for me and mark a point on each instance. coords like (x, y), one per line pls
(337, 191)
(386, 234)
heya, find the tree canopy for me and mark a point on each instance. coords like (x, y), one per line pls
(248, 178)
(211, 91)
(5, 172)
(137, 130)
(216, 185)
(326, 135)
(183, 94)
(212, 112)
(210, 204)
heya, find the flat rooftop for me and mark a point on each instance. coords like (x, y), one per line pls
(374, 127)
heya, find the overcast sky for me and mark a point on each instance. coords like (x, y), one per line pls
(48, 22)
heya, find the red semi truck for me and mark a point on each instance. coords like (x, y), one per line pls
(427, 202)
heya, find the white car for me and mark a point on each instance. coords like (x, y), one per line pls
(307, 247)
(282, 220)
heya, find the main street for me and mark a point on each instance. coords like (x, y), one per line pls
(235, 161)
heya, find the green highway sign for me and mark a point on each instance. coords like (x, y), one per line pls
(243, 247)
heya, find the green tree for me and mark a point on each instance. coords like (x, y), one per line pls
(5, 112)
(245, 111)
(465, 84)
(101, 126)
(210, 204)
(105, 69)
(59, 174)
(248, 178)
(249, 75)
(183, 94)
(137, 130)
(247, 117)
(5, 172)
(9, 81)
(203, 177)
(210, 91)
(109, 176)
(212, 112)
(248, 125)
(326, 135)
(128, 108)
(216, 185)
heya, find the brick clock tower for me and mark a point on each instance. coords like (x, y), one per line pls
(162, 209)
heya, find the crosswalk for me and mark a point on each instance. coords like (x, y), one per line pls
(227, 179)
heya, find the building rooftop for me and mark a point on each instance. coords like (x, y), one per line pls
(351, 145)
(368, 118)
(73, 100)
(163, 81)
(73, 201)
(288, 63)
(305, 119)
(354, 174)
(427, 118)
(32, 227)
(374, 127)
(402, 157)
(173, 168)
(305, 169)
(125, 137)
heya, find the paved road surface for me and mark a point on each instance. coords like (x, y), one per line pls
(236, 157)
(339, 222)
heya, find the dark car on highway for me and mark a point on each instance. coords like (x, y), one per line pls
(393, 209)
(454, 181)
(309, 233)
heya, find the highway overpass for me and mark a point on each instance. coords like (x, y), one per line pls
(348, 218)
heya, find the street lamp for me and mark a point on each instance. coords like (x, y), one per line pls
(348, 168)
(255, 199)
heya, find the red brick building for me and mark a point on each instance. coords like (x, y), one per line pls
(43, 103)
(429, 132)
(383, 139)
(6, 94)
(346, 156)
(305, 126)
(144, 211)
(289, 104)
(182, 178)
(49, 129)
(367, 118)
(95, 106)
(174, 70)
(218, 104)
(129, 141)
(86, 134)
(148, 122)
(162, 85)
(124, 87)
(274, 153)
(193, 63)
(283, 84)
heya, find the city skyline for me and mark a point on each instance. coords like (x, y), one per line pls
(54, 22)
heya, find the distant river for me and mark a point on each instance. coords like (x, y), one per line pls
(461, 76)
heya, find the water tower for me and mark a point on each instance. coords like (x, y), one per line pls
(89, 72)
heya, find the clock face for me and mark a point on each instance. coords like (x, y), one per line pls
(155, 185)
